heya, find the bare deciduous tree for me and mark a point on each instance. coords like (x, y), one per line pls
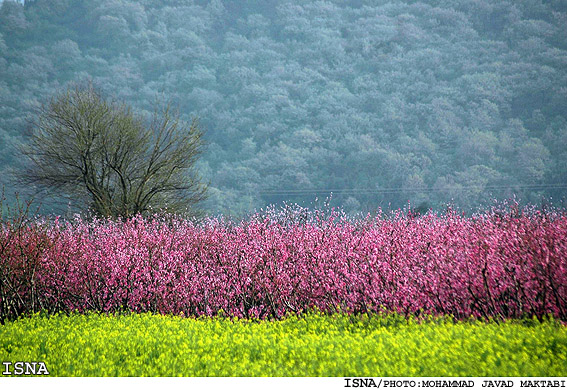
(88, 147)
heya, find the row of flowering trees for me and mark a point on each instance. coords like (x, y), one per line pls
(498, 265)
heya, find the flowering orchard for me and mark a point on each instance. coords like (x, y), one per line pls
(499, 265)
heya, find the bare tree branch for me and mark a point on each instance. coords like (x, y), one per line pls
(88, 147)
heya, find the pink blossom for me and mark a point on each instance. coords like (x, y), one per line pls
(501, 264)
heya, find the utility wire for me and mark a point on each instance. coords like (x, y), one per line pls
(402, 190)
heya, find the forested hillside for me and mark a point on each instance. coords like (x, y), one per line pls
(381, 102)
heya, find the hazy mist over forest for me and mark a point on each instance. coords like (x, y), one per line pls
(380, 102)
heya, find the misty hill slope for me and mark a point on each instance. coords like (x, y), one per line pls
(395, 101)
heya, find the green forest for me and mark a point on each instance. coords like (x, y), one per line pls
(380, 103)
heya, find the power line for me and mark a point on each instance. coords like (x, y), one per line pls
(353, 191)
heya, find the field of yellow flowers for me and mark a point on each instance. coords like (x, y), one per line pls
(308, 345)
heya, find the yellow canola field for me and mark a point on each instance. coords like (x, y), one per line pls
(309, 345)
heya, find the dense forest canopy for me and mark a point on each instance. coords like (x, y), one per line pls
(381, 102)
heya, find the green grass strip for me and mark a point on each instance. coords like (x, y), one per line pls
(313, 345)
